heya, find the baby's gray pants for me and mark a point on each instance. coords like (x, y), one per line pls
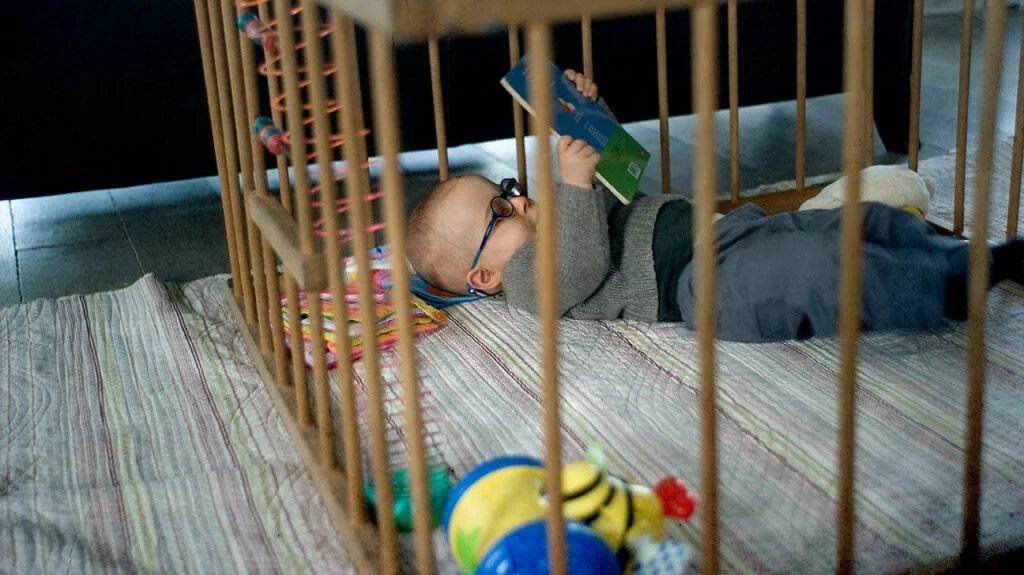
(778, 276)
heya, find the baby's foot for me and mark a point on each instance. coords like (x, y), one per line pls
(1007, 261)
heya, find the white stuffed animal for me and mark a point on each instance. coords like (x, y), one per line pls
(896, 186)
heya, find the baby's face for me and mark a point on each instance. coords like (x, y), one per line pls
(470, 206)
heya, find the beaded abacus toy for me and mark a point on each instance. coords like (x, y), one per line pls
(353, 323)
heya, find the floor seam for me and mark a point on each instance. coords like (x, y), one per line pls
(14, 242)
(124, 230)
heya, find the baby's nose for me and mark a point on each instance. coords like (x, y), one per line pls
(520, 204)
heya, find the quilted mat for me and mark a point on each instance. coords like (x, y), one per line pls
(136, 435)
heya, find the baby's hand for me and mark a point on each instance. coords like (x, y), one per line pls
(577, 162)
(585, 85)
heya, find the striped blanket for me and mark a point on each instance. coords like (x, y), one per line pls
(136, 437)
(135, 434)
(635, 388)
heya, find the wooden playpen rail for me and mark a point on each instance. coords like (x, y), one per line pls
(263, 231)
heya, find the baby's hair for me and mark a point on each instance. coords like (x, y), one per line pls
(436, 257)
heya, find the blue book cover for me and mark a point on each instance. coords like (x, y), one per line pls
(623, 159)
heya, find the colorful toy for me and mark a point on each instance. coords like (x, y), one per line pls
(621, 513)
(504, 496)
(270, 136)
(659, 557)
(425, 318)
(492, 500)
(439, 487)
(525, 550)
(254, 28)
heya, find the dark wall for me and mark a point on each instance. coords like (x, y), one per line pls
(625, 67)
(101, 94)
(109, 94)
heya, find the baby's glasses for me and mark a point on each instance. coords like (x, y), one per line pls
(501, 207)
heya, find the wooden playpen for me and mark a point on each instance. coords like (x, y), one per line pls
(315, 93)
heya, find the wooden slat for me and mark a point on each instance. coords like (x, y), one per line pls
(415, 20)
(915, 86)
(292, 284)
(381, 14)
(244, 156)
(514, 55)
(801, 93)
(346, 88)
(438, 96)
(297, 140)
(272, 282)
(252, 102)
(705, 81)
(216, 127)
(359, 538)
(237, 228)
(960, 175)
(869, 83)
(995, 30)
(1013, 213)
(666, 152)
(734, 101)
(304, 210)
(302, 203)
(539, 47)
(479, 15)
(850, 281)
(274, 87)
(357, 187)
(388, 138)
(243, 95)
(291, 289)
(281, 231)
(317, 92)
(271, 338)
(586, 32)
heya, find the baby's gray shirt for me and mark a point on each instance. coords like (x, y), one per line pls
(605, 257)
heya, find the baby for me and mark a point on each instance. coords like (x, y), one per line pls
(777, 275)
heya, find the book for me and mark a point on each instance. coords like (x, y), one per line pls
(623, 159)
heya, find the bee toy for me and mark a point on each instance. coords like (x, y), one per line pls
(495, 516)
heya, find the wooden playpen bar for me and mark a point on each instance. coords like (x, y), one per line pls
(263, 231)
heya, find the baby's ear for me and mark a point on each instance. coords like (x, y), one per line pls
(484, 279)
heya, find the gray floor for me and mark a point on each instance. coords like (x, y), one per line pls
(107, 239)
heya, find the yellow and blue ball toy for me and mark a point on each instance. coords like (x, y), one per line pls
(494, 518)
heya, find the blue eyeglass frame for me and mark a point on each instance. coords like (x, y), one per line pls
(510, 188)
